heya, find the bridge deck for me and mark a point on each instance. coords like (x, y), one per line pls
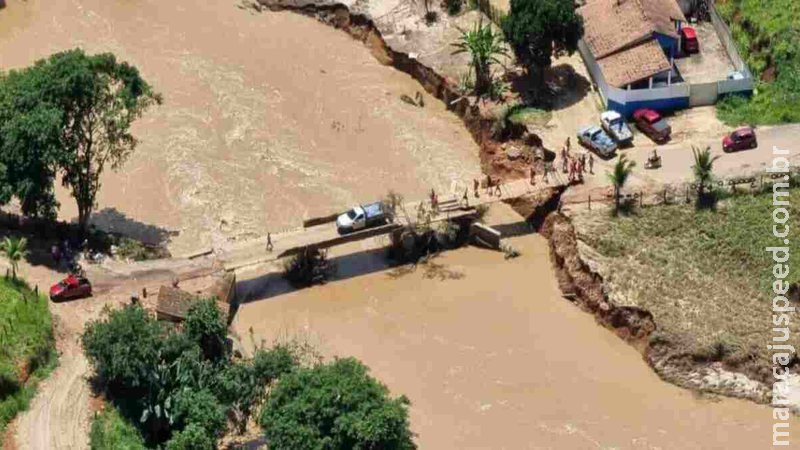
(326, 235)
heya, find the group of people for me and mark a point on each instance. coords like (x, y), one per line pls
(573, 165)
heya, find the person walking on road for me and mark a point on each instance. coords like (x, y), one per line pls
(269, 242)
(591, 164)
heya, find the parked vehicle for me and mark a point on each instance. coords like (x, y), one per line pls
(652, 124)
(594, 138)
(616, 127)
(72, 287)
(361, 217)
(740, 139)
(689, 42)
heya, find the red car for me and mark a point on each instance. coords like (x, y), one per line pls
(689, 42)
(72, 287)
(741, 139)
(652, 124)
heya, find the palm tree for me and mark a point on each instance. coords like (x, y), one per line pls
(619, 176)
(702, 169)
(485, 46)
(15, 249)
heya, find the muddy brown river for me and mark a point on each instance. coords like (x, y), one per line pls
(492, 357)
(272, 117)
(268, 118)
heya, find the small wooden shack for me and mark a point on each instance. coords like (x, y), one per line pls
(174, 304)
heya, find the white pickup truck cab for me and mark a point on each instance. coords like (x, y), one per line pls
(361, 217)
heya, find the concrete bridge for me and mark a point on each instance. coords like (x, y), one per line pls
(326, 235)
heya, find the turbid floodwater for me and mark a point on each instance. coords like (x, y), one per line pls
(268, 117)
(492, 357)
(272, 117)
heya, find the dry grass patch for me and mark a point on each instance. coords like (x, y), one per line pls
(704, 275)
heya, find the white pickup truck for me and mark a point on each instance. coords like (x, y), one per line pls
(361, 217)
(615, 126)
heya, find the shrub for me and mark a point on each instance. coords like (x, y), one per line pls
(335, 406)
(124, 348)
(193, 437)
(269, 365)
(205, 325)
(200, 408)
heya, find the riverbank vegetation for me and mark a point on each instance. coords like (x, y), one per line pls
(67, 117)
(27, 350)
(182, 388)
(767, 33)
(703, 274)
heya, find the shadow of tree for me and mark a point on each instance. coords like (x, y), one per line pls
(563, 88)
(114, 221)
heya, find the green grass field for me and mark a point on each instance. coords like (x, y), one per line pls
(110, 431)
(704, 275)
(767, 33)
(26, 344)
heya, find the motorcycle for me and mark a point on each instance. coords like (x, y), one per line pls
(653, 162)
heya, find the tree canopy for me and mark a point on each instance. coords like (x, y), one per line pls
(335, 406)
(180, 386)
(538, 30)
(70, 116)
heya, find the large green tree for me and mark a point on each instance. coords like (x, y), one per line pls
(67, 115)
(335, 406)
(538, 30)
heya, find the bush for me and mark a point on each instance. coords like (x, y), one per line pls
(205, 325)
(124, 349)
(193, 437)
(269, 365)
(110, 431)
(200, 408)
(336, 406)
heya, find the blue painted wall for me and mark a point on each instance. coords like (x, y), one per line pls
(661, 105)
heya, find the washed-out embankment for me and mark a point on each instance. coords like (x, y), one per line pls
(577, 280)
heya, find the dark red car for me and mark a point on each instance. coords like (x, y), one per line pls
(689, 42)
(72, 287)
(652, 124)
(741, 139)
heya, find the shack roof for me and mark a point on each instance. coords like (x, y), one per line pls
(613, 25)
(634, 64)
(174, 304)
